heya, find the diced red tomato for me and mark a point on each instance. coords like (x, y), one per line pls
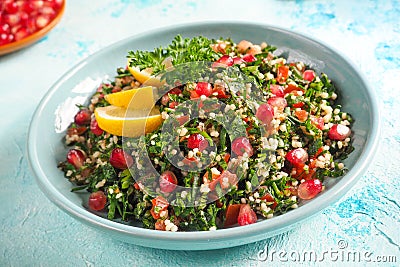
(282, 74)
(232, 213)
(318, 122)
(249, 58)
(302, 115)
(269, 198)
(291, 87)
(298, 105)
(159, 204)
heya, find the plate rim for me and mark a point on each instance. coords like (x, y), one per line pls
(268, 227)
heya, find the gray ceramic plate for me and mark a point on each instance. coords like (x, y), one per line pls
(56, 110)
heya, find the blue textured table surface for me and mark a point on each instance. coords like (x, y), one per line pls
(33, 231)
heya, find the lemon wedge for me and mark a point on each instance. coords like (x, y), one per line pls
(125, 122)
(138, 99)
(144, 76)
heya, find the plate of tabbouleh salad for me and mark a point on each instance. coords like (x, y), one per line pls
(210, 131)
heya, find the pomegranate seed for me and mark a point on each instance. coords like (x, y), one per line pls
(203, 88)
(76, 157)
(21, 34)
(167, 182)
(309, 75)
(249, 58)
(238, 60)
(297, 157)
(242, 145)
(97, 200)
(120, 159)
(28, 7)
(339, 132)
(197, 141)
(265, 113)
(309, 189)
(246, 215)
(277, 90)
(10, 7)
(95, 128)
(83, 117)
(11, 19)
(5, 28)
(278, 102)
(42, 21)
(224, 61)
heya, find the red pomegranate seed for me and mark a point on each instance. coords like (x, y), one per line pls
(167, 182)
(120, 159)
(309, 75)
(97, 200)
(95, 128)
(83, 117)
(238, 60)
(203, 88)
(42, 21)
(10, 7)
(278, 102)
(242, 145)
(21, 34)
(297, 157)
(5, 28)
(249, 58)
(309, 189)
(277, 90)
(265, 113)
(224, 61)
(76, 157)
(339, 132)
(246, 215)
(197, 141)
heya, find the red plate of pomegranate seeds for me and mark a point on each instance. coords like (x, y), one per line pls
(24, 22)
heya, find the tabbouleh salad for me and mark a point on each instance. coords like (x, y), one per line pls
(295, 117)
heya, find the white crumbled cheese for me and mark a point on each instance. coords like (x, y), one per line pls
(212, 115)
(190, 154)
(336, 111)
(282, 127)
(218, 158)
(174, 152)
(243, 200)
(340, 165)
(212, 228)
(119, 195)
(69, 173)
(152, 142)
(256, 195)
(203, 97)
(334, 96)
(269, 216)
(251, 198)
(294, 206)
(324, 95)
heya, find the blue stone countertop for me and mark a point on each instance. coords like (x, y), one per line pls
(34, 232)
